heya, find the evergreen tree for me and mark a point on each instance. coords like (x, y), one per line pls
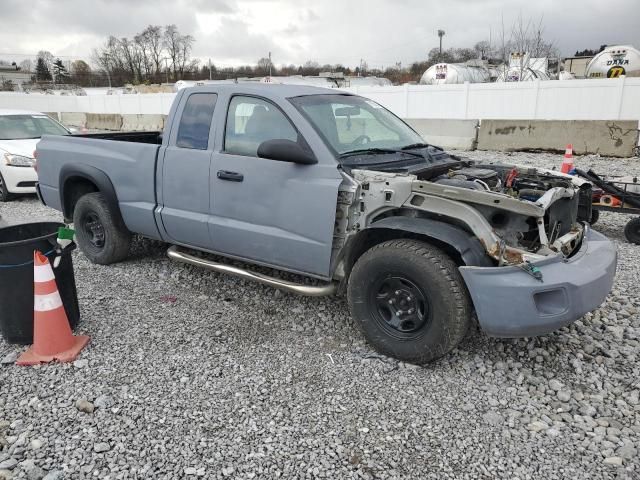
(60, 72)
(42, 71)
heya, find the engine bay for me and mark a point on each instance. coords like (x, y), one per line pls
(519, 213)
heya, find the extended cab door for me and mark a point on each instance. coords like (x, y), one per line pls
(272, 212)
(184, 202)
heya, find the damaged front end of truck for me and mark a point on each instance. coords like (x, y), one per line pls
(521, 234)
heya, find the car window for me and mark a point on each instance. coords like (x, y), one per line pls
(349, 122)
(195, 122)
(251, 121)
(21, 127)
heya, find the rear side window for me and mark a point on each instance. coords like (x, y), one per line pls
(195, 122)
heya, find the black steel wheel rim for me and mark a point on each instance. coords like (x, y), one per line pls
(400, 306)
(93, 229)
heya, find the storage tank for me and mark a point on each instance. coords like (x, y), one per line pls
(517, 74)
(614, 62)
(454, 73)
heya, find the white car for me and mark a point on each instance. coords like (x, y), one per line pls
(20, 132)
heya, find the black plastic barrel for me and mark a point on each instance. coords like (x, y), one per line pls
(17, 243)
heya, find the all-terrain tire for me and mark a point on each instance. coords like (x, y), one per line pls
(101, 234)
(632, 230)
(417, 269)
(595, 216)
(5, 196)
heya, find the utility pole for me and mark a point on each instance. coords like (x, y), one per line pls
(106, 56)
(269, 64)
(210, 69)
(440, 34)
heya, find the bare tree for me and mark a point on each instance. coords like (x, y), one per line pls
(172, 44)
(129, 55)
(145, 62)
(262, 67)
(26, 65)
(81, 73)
(186, 44)
(154, 40)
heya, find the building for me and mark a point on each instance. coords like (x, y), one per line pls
(14, 74)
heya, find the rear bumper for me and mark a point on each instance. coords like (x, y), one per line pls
(511, 303)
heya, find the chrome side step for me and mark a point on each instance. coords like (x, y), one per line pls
(175, 253)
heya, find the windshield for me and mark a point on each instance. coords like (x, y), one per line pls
(21, 127)
(350, 123)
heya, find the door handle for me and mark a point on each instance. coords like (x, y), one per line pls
(231, 176)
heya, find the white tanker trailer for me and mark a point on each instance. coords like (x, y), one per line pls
(524, 74)
(442, 73)
(614, 62)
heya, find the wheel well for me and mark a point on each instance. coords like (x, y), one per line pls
(74, 188)
(371, 237)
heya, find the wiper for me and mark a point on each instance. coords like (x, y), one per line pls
(377, 151)
(416, 145)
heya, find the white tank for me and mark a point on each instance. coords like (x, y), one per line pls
(614, 62)
(454, 73)
(565, 75)
(517, 74)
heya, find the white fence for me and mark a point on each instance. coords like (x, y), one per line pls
(151, 103)
(603, 99)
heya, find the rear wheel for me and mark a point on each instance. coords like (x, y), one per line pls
(101, 234)
(632, 231)
(409, 300)
(595, 216)
(5, 196)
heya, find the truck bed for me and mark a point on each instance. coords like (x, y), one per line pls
(126, 162)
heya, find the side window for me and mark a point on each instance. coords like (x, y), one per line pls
(195, 122)
(251, 121)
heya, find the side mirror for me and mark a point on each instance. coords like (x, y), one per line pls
(285, 151)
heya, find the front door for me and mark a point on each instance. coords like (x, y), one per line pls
(185, 173)
(276, 213)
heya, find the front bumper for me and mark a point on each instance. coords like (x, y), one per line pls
(19, 179)
(511, 303)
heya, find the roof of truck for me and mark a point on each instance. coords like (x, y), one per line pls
(270, 89)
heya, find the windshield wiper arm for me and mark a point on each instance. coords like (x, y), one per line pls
(415, 145)
(376, 151)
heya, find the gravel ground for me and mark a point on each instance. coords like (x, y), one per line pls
(191, 373)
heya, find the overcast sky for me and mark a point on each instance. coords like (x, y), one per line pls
(382, 32)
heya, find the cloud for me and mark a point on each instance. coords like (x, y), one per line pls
(381, 32)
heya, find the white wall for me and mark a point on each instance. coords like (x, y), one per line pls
(152, 103)
(603, 99)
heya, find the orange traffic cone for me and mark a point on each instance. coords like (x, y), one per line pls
(52, 337)
(567, 163)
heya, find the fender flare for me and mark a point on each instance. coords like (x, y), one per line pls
(468, 246)
(96, 176)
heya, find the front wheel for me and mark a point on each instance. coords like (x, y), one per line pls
(409, 300)
(101, 235)
(5, 196)
(632, 231)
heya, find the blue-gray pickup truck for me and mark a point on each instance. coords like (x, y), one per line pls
(334, 187)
